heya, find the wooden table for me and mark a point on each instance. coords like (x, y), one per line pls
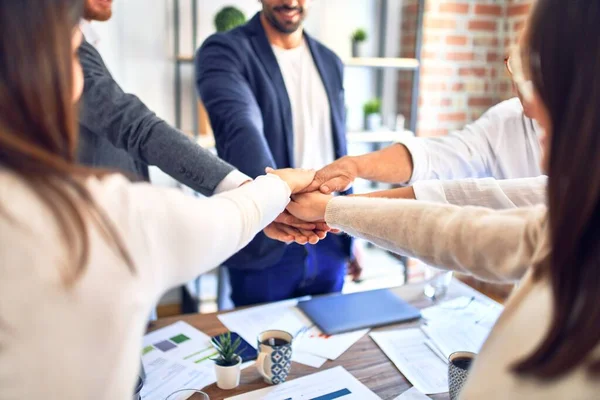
(364, 360)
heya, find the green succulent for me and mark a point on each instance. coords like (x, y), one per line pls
(227, 350)
(372, 107)
(228, 18)
(359, 35)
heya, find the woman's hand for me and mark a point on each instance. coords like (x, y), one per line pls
(309, 206)
(297, 179)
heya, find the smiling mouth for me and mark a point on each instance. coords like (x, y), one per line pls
(288, 14)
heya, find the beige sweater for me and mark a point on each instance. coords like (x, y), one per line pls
(493, 245)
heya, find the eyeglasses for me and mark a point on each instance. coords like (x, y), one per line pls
(514, 66)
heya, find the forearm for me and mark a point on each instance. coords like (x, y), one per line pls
(494, 245)
(398, 193)
(391, 165)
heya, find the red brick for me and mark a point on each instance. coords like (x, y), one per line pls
(440, 23)
(518, 10)
(485, 41)
(518, 26)
(456, 40)
(457, 87)
(437, 71)
(456, 8)
(481, 102)
(479, 25)
(471, 71)
(488, 9)
(453, 56)
(457, 116)
(434, 87)
(494, 57)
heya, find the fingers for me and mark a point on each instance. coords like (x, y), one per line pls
(288, 219)
(321, 226)
(273, 231)
(315, 185)
(337, 184)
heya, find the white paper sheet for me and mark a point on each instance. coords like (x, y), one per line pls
(406, 348)
(461, 324)
(335, 383)
(464, 309)
(311, 347)
(412, 394)
(176, 357)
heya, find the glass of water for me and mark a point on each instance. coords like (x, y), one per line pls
(438, 282)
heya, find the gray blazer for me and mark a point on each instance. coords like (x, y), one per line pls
(118, 131)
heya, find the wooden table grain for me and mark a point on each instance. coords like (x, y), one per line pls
(364, 359)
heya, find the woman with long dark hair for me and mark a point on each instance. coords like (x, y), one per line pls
(84, 254)
(546, 344)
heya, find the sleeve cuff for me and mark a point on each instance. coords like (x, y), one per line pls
(233, 180)
(430, 190)
(418, 154)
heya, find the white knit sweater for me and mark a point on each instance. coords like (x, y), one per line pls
(84, 342)
(493, 245)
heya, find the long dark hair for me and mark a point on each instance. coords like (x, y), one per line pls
(563, 56)
(38, 121)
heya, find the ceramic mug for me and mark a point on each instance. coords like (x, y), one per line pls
(458, 370)
(274, 356)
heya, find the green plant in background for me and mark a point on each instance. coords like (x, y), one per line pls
(372, 107)
(228, 18)
(359, 36)
(227, 350)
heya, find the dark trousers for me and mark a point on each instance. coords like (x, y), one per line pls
(303, 270)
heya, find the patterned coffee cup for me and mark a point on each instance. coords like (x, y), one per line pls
(274, 356)
(458, 370)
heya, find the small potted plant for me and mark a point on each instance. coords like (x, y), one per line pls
(358, 37)
(228, 362)
(229, 18)
(372, 112)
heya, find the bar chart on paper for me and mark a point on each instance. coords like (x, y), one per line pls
(332, 384)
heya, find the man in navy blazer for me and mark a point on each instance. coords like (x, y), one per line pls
(275, 98)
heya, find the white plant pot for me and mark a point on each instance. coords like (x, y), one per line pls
(373, 122)
(228, 377)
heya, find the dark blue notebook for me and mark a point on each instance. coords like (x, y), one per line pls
(341, 313)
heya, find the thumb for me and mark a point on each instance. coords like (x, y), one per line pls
(338, 184)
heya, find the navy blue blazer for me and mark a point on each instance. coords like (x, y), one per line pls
(239, 81)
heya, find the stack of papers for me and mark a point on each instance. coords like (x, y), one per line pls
(176, 357)
(462, 324)
(421, 354)
(311, 346)
(335, 383)
(406, 348)
(412, 394)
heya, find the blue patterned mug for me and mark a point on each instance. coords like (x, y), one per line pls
(458, 371)
(274, 356)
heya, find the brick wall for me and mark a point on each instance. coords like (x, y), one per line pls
(462, 69)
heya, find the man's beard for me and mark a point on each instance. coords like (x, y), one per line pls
(284, 27)
(95, 15)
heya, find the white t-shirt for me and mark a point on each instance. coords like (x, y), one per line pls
(311, 114)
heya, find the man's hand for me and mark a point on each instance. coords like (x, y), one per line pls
(309, 206)
(336, 177)
(354, 270)
(288, 234)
